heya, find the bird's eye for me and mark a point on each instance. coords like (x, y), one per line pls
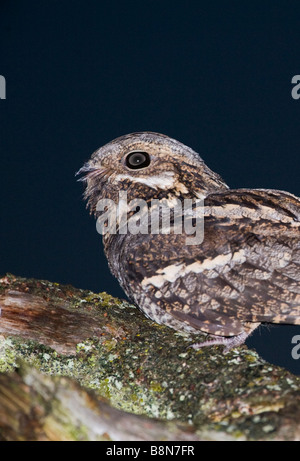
(136, 160)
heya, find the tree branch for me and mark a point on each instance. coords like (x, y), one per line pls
(107, 345)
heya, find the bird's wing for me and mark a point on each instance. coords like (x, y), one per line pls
(246, 269)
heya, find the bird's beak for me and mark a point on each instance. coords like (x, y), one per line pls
(90, 172)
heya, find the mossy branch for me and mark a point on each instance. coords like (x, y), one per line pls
(107, 349)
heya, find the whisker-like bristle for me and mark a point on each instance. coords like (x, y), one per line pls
(89, 172)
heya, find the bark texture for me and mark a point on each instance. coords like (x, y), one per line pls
(76, 365)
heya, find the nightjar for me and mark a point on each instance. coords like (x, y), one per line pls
(246, 271)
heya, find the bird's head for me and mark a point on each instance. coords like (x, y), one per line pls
(147, 165)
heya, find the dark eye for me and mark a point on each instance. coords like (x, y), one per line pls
(136, 160)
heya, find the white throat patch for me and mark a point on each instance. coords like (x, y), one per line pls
(165, 180)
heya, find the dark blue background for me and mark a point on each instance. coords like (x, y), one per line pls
(214, 75)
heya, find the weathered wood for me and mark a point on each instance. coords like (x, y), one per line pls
(107, 345)
(42, 408)
(38, 318)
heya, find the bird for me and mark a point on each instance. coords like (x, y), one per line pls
(244, 273)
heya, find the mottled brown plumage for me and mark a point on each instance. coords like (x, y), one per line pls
(246, 270)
